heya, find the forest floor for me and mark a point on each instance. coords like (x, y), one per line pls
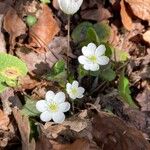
(114, 113)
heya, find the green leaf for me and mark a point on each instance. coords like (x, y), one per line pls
(29, 109)
(31, 20)
(45, 1)
(82, 72)
(80, 32)
(124, 90)
(92, 36)
(59, 67)
(103, 31)
(108, 74)
(58, 73)
(11, 69)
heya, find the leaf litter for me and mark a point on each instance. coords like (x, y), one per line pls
(109, 123)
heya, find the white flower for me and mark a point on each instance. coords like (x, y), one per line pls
(70, 7)
(53, 107)
(74, 90)
(93, 57)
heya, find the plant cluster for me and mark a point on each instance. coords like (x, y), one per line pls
(95, 61)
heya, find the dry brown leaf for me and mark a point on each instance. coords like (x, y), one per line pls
(140, 8)
(112, 133)
(76, 124)
(144, 99)
(4, 121)
(13, 25)
(126, 19)
(52, 130)
(91, 13)
(79, 144)
(2, 40)
(146, 36)
(39, 64)
(24, 128)
(45, 29)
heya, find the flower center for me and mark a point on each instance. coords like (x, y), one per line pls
(93, 58)
(74, 91)
(53, 107)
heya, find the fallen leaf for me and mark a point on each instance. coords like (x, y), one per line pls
(2, 40)
(146, 36)
(13, 25)
(126, 19)
(43, 143)
(97, 14)
(45, 29)
(76, 124)
(5, 96)
(40, 64)
(144, 99)
(4, 121)
(112, 133)
(79, 144)
(52, 130)
(24, 128)
(140, 8)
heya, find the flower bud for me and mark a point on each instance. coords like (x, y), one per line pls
(70, 7)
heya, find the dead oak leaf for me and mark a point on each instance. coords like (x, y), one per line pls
(140, 8)
(45, 29)
(13, 25)
(126, 19)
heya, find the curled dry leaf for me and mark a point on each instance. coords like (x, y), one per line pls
(45, 29)
(52, 130)
(4, 121)
(24, 128)
(126, 19)
(13, 25)
(140, 8)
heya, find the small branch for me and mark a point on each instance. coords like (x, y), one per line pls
(68, 45)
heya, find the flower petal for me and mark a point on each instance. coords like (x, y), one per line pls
(89, 50)
(81, 90)
(75, 84)
(58, 117)
(72, 96)
(103, 60)
(100, 50)
(68, 87)
(83, 60)
(87, 66)
(94, 67)
(64, 107)
(59, 97)
(41, 106)
(46, 116)
(49, 96)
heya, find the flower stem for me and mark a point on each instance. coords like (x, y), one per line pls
(68, 45)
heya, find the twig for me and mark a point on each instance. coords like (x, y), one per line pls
(68, 44)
